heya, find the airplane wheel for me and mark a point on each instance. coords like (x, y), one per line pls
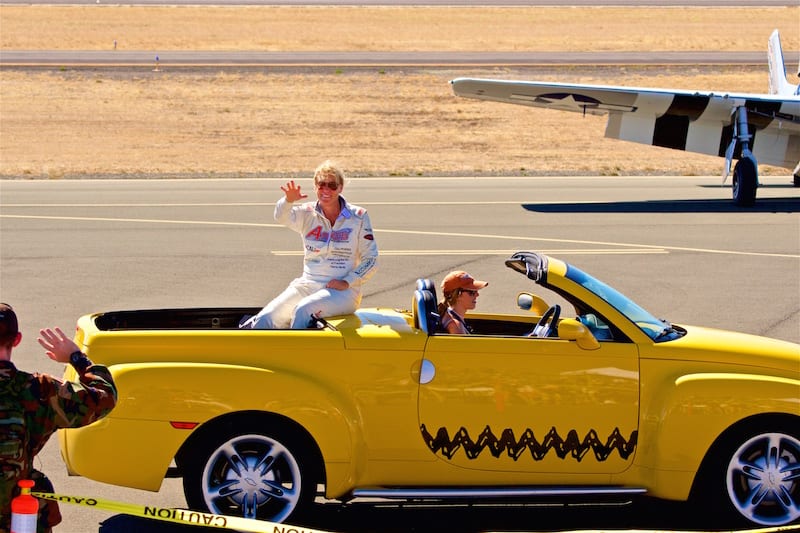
(745, 181)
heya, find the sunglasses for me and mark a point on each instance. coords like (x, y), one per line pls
(332, 185)
(470, 292)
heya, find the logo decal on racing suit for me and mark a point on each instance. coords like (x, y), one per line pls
(508, 444)
(317, 234)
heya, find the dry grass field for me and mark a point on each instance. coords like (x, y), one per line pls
(161, 28)
(136, 122)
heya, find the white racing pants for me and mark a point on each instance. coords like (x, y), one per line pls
(302, 298)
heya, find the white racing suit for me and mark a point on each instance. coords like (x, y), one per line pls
(346, 251)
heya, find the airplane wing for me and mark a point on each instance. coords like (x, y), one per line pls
(702, 122)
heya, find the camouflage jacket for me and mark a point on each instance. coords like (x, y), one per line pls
(33, 407)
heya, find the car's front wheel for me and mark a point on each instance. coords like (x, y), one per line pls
(763, 479)
(262, 474)
(756, 477)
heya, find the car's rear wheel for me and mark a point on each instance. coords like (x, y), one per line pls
(756, 478)
(253, 473)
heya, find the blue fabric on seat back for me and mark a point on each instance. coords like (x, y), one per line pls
(425, 284)
(425, 316)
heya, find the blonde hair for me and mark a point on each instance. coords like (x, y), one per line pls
(330, 168)
(448, 298)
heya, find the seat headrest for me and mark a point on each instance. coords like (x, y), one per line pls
(425, 284)
(426, 317)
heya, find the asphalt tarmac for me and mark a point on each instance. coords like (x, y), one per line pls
(226, 58)
(676, 245)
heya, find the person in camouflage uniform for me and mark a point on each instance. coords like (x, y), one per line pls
(33, 406)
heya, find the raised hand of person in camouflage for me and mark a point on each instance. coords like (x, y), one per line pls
(57, 345)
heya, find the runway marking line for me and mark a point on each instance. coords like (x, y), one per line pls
(412, 232)
(573, 251)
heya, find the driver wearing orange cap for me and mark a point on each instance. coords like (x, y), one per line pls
(460, 292)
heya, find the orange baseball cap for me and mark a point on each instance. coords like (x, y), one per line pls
(461, 280)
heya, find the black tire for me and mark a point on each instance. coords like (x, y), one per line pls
(745, 182)
(796, 180)
(753, 476)
(249, 471)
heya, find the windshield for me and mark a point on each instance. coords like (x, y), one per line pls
(652, 327)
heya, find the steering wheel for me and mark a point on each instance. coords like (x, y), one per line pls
(548, 324)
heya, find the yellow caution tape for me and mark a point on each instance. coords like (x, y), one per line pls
(196, 518)
(774, 529)
(182, 516)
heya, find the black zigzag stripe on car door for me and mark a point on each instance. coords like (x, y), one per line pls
(507, 444)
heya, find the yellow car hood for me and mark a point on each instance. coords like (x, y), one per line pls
(729, 347)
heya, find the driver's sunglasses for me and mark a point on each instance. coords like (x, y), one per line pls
(332, 185)
(470, 292)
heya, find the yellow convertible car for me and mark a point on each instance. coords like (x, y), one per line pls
(589, 395)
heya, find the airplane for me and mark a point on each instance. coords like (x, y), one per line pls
(746, 127)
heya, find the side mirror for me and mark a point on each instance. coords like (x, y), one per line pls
(530, 302)
(572, 330)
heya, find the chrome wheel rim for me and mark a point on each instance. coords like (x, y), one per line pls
(764, 479)
(253, 476)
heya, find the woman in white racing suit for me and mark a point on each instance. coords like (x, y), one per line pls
(340, 254)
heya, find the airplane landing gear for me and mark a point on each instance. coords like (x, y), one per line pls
(745, 182)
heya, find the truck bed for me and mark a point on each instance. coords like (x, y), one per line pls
(183, 319)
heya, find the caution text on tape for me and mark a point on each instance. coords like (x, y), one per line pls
(182, 516)
(196, 518)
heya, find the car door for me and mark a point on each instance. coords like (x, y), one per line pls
(529, 404)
